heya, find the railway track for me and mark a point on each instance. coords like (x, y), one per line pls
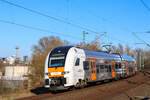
(96, 92)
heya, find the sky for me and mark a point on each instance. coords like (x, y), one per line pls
(118, 18)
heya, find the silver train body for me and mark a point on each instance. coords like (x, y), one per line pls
(69, 66)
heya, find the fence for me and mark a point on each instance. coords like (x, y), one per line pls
(13, 82)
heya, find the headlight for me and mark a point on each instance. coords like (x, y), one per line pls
(48, 73)
(66, 72)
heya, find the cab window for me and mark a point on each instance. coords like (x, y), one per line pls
(77, 62)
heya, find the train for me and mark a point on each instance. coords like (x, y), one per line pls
(70, 66)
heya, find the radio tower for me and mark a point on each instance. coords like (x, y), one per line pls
(17, 52)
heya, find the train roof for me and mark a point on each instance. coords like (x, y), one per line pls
(101, 55)
(97, 54)
(126, 57)
(60, 49)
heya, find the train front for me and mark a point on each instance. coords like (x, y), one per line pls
(55, 70)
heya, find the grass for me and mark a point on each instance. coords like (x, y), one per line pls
(17, 95)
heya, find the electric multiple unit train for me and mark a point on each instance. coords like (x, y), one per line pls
(69, 66)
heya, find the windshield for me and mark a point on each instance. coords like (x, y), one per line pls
(57, 61)
(58, 56)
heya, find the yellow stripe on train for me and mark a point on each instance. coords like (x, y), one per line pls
(54, 70)
(55, 76)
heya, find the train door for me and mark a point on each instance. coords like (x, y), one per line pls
(86, 66)
(113, 69)
(127, 66)
(93, 73)
(122, 69)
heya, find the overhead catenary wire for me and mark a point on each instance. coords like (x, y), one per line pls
(118, 40)
(111, 22)
(145, 5)
(48, 16)
(36, 28)
(51, 17)
(140, 39)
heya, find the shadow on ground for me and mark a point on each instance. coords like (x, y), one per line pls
(40, 90)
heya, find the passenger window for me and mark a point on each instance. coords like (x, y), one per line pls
(116, 66)
(125, 65)
(102, 68)
(106, 68)
(97, 65)
(109, 68)
(86, 65)
(119, 65)
(77, 62)
(97, 70)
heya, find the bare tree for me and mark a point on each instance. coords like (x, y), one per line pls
(147, 58)
(114, 49)
(120, 49)
(2, 67)
(127, 49)
(94, 45)
(40, 51)
(133, 53)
